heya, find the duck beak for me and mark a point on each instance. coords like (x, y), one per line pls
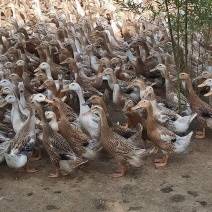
(150, 56)
(41, 87)
(202, 85)
(136, 107)
(146, 94)
(86, 103)
(197, 78)
(130, 86)
(65, 90)
(208, 94)
(37, 69)
(48, 101)
(87, 113)
(4, 104)
(175, 79)
(100, 75)
(154, 69)
(154, 83)
(34, 79)
(64, 62)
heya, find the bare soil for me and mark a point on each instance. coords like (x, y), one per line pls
(184, 185)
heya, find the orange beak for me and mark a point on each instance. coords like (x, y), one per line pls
(100, 75)
(208, 94)
(146, 94)
(64, 62)
(87, 113)
(154, 69)
(136, 107)
(130, 86)
(65, 89)
(202, 85)
(37, 69)
(48, 101)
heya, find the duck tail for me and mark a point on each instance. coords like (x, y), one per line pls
(192, 117)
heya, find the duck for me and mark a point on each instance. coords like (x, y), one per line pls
(16, 117)
(23, 145)
(119, 147)
(203, 110)
(89, 123)
(169, 118)
(203, 75)
(78, 140)
(171, 91)
(161, 137)
(59, 150)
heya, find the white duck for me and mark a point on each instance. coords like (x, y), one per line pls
(89, 122)
(15, 116)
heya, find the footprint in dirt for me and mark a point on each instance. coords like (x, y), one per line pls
(135, 208)
(127, 189)
(51, 207)
(100, 204)
(167, 189)
(177, 198)
(193, 193)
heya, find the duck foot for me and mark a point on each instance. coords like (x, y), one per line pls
(20, 170)
(37, 156)
(56, 175)
(64, 173)
(200, 134)
(28, 170)
(120, 173)
(125, 126)
(161, 162)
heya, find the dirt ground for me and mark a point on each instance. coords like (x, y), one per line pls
(184, 185)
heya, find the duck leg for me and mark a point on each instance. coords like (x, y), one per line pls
(122, 172)
(57, 174)
(126, 125)
(161, 162)
(28, 170)
(37, 155)
(200, 134)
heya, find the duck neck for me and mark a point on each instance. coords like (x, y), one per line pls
(190, 88)
(53, 89)
(80, 96)
(167, 79)
(150, 117)
(104, 127)
(31, 119)
(137, 51)
(48, 73)
(146, 49)
(61, 109)
(154, 101)
(42, 116)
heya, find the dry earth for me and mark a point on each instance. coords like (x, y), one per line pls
(184, 185)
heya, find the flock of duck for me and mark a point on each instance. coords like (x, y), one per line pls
(63, 63)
